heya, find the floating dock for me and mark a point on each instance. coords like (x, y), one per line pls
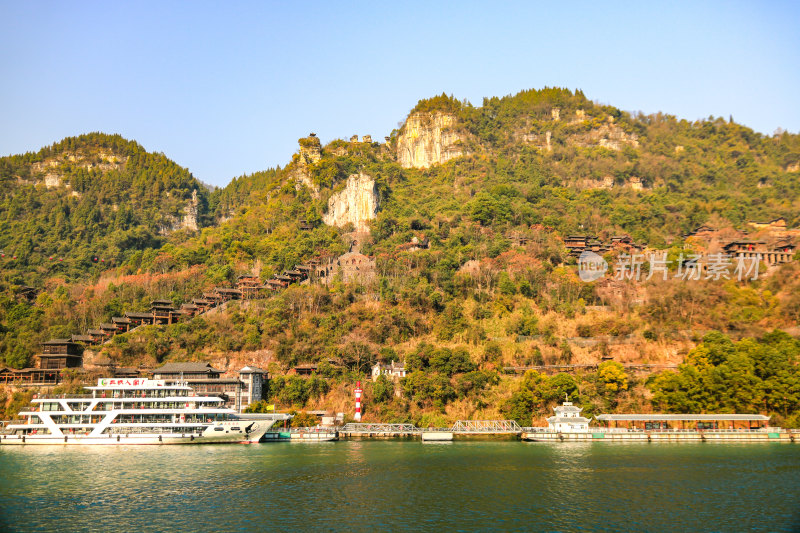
(462, 428)
(437, 436)
(687, 435)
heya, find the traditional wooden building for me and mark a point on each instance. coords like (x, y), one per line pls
(164, 312)
(60, 353)
(122, 324)
(249, 286)
(307, 270)
(84, 339)
(276, 284)
(577, 241)
(202, 304)
(98, 335)
(29, 376)
(227, 294)
(213, 297)
(139, 319)
(108, 329)
(190, 310)
(305, 369)
(770, 255)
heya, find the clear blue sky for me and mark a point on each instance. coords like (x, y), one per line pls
(226, 88)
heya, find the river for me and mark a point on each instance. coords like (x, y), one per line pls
(402, 485)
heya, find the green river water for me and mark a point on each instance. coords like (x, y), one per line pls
(402, 485)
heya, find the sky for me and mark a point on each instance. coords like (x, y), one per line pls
(227, 88)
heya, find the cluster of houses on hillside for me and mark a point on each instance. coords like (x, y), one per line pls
(58, 355)
(773, 243)
(577, 244)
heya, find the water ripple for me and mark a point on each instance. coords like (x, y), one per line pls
(404, 485)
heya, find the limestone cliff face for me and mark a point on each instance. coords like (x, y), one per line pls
(51, 174)
(357, 203)
(190, 212)
(428, 139)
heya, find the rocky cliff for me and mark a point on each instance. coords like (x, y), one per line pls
(356, 204)
(310, 153)
(51, 170)
(428, 139)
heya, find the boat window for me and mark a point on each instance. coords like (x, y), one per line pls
(218, 429)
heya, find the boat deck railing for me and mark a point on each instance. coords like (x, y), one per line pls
(313, 430)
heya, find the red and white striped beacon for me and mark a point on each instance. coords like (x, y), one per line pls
(358, 392)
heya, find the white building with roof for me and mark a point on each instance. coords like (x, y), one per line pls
(568, 419)
(393, 370)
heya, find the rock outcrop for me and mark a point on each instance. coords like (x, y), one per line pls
(310, 153)
(428, 139)
(356, 204)
(50, 171)
(190, 212)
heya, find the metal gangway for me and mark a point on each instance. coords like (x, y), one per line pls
(354, 427)
(486, 426)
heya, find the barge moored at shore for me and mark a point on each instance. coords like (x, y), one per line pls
(567, 425)
(134, 411)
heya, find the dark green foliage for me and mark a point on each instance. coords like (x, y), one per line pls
(295, 390)
(382, 390)
(537, 394)
(114, 199)
(720, 376)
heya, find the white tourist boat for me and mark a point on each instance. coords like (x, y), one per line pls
(134, 411)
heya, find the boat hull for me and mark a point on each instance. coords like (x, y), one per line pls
(250, 431)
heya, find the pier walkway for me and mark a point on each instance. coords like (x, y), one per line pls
(461, 428)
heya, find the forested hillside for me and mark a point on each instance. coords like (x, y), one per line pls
(472, 279)
(89, 203)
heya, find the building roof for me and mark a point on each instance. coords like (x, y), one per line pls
(57, 342)
(567, 420)
(176, 368)
(682, 417)
(222, 290)
(252, 370)
(133, 314)
(567, 407)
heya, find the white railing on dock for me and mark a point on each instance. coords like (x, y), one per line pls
(354, 427)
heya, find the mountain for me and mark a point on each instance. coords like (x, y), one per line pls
(451, 246)
(89, 203)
